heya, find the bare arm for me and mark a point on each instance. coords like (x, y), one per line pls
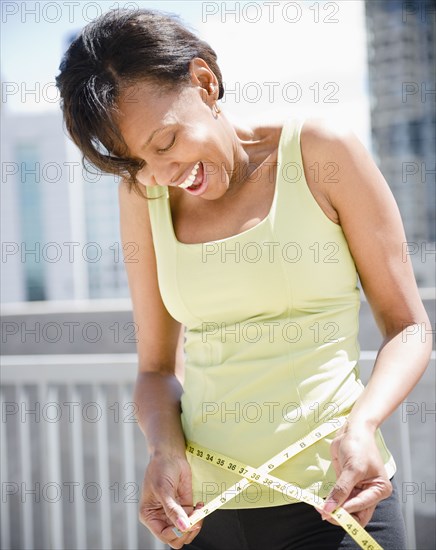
(157, 391)
(167, 490)
(372, 225)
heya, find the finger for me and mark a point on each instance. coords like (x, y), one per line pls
(336, 465)
(184, 489)
(156, 525)
(193, 529)
(178, 513)
(341, 490)
(176, 539)
(189, 508)
(196, 522)
(175, 513)
(175, 544)
(192, 534)
(369, 496)
(364, 516)
(183, 538)
(334, 454)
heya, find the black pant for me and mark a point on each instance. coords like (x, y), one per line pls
(296, 527)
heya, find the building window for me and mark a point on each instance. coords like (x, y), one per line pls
(29, 184)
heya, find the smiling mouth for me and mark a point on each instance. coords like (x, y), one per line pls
(196, 182)
(189, 181)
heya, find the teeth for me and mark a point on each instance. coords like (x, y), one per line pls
(191, 178)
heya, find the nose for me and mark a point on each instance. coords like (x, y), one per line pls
(165, 173)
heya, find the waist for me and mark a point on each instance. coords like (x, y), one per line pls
(255, 426)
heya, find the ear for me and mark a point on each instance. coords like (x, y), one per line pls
(203, 77)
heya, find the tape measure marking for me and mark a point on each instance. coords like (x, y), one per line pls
(262, 476)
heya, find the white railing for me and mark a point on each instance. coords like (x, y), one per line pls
(71, 417)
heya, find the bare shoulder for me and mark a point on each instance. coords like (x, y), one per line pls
(322, 129)
(330, 140)
(323, 141)
(133, 205)
(126, 192)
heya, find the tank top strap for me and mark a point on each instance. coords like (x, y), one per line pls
(160, 220)
(296, 198)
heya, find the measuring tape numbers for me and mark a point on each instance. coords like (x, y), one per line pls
(262, 476)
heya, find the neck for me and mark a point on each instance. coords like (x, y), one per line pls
(251, 147)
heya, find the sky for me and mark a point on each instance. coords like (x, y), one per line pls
(277, 58)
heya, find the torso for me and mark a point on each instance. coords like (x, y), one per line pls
(244, 210)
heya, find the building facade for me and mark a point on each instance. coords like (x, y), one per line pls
(401, 46)
(59, 222)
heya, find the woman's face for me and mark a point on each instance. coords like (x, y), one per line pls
(175, 131)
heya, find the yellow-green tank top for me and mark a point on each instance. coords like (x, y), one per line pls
(271, 335)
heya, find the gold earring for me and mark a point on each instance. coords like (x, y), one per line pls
(216, 109)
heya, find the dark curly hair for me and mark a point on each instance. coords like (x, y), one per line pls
(121, 48)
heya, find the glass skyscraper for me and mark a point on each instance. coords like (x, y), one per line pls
(401, 46)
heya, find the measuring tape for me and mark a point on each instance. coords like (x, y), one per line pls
(262, 476)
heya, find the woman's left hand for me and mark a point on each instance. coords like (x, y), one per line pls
(361, 479)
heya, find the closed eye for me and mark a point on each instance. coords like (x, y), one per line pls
(169, 146)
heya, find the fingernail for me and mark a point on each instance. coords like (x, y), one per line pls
(330, 505)
(181, 524)
(177, 532)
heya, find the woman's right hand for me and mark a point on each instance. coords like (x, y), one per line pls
(166, 500)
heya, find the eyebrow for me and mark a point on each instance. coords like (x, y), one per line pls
(161, 129)
(151, 137)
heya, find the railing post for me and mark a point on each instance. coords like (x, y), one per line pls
(406, 458)
(127, 438)
(25, 469)
(5, 536)
(103, 469)
(56, 527)
(77, 451)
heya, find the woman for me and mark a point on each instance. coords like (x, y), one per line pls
(248, 246)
